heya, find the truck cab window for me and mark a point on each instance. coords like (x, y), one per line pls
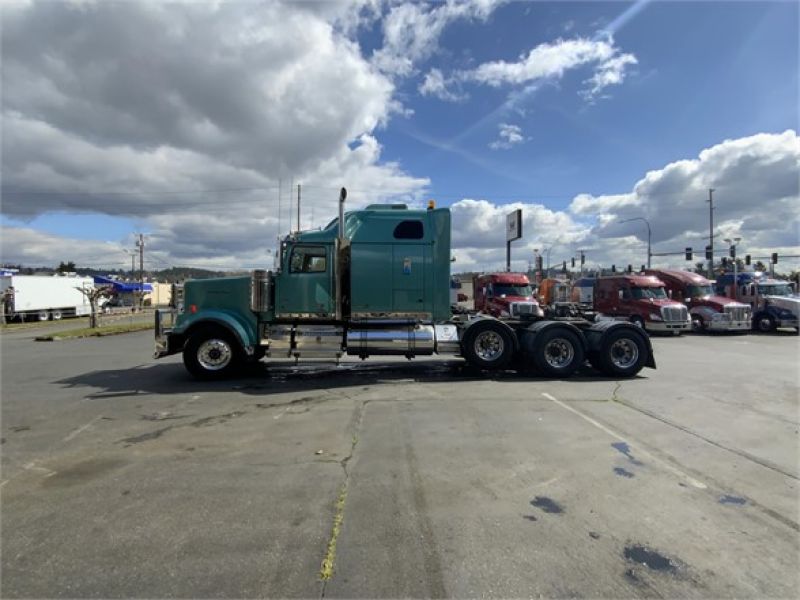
(409, 230)
(308, 259)
(626, 294)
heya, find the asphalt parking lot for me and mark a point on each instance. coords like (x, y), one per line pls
(121, 477)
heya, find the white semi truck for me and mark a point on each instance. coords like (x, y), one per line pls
(45, 297)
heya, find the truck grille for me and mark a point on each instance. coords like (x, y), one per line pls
(520, 309)
(737, 313)
(674, 314)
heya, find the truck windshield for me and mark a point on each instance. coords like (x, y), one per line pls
(697, 291)
(512, 290)
(648, 292)
(777, 289)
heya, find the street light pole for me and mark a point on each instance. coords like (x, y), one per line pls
(735, 266)
(649, 235)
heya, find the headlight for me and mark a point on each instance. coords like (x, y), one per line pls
(504, 313)
(655, 317)
(539, 312)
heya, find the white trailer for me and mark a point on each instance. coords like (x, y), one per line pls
(45, 297)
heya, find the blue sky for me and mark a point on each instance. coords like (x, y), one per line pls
(706, 73)
(102, 140)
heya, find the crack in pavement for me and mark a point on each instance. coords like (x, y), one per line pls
(329, 559)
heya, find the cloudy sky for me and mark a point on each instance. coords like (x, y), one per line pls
(193, 123)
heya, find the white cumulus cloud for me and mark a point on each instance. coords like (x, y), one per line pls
(508, 136)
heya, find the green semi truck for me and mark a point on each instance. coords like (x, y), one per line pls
(376, 282)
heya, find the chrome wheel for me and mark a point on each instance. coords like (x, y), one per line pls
(765, 324)
(624, 353)
(214, 354)
(559, 353)
(489, 346)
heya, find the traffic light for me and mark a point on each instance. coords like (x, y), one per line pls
(642, 271)
(774, 258)
(565, 267)
(688, 254)
(732, 252)
(573, 262)
(724, 262)
(583, 259)
(747, 259)
(613, 268)
(630, 269)
(709, 254)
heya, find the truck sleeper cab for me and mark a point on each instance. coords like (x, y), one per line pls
(707, 310)
(774, 303)
(374, 282)
(641, 300)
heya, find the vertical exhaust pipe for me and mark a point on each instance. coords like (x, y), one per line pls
(342, 198)
(337, 263)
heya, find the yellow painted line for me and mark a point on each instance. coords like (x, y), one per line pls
(326, 570)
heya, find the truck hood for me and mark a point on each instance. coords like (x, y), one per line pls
(790, 303)
(716, 302)
(657, 302)
(509, 299)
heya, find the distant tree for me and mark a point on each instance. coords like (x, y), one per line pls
(760, 266)
(700, 268)
(94, 294)
(66, 267)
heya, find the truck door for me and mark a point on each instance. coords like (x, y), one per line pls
(408, 277)
(306, 285)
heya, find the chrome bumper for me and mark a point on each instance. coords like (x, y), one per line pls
(787, 322)
(165, 320)
(668, 325)
(724, 325)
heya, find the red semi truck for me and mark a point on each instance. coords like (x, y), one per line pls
(640, 299)
(505, 295)
(707, 310)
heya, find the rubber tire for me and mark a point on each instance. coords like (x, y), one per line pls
(535, 348)
(602, 360)
(638, 321)
(770, 328)
(204, 334)
(468, 345)
(702, 327)
(43, 315)
(56, 315)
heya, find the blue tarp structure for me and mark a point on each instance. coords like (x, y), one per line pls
(123, 287)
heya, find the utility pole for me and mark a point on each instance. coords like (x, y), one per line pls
(711, 232)
(141, 271)
(298, 207)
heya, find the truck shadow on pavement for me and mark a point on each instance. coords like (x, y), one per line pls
(264, 379)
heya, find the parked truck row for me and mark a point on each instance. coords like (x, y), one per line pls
(657, 300)
(376, 282)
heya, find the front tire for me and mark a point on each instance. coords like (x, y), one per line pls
(556, 352)
(698, 324)
(622, 354)
(638, 321)
(212, 353)
(765, 323)
(488, 345)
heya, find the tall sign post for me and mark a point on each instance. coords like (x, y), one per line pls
(513, 232)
